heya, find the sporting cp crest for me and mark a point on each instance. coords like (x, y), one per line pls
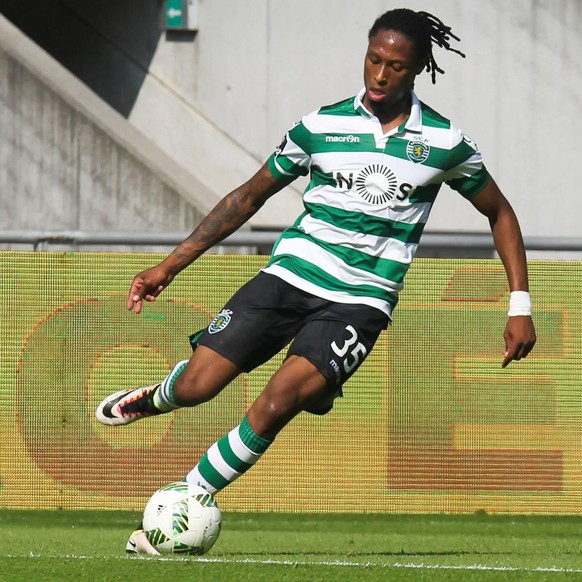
(220, 321)
(417, 151)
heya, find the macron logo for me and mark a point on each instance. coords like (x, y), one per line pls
(342, 139)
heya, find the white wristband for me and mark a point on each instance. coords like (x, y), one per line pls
(519, 303)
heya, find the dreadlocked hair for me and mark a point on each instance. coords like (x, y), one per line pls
(423, 29)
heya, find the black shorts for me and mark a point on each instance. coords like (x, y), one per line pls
(267, 313)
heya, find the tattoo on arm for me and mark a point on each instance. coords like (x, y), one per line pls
(226, 217)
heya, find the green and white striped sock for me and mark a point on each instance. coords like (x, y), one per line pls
(227, 459)
(163, 397)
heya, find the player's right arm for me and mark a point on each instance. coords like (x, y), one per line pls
(234, 210)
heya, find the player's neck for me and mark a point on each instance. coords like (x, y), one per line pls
(392, 115)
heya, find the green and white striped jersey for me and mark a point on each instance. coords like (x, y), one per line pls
(368, 199)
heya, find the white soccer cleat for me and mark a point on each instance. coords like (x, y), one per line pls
(127, 406)
(138, 543)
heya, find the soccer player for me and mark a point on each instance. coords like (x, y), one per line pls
(376, 162)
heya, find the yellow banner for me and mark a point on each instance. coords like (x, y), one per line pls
(430, 423)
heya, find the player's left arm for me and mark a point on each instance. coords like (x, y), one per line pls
(519, 334)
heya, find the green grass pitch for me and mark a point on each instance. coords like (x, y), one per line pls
(90, 545)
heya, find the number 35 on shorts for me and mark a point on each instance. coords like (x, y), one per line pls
(351, 351)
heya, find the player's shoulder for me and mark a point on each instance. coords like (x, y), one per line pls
(443, 127)
(432, 118)
(325, 116)
(343, 107)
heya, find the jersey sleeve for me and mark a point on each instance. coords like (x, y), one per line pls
(293, 157)
(466, 171)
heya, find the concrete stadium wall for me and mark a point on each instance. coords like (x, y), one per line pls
(218, 101)
(109, 46)
(70, 162)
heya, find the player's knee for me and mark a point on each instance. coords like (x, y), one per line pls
(277, 403)
(280, 404)
(287, 403)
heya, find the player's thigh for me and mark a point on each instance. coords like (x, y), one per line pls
(338, 341)
(256, 323)
(296, 384)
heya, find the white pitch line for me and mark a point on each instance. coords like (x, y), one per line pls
(489, 568)
(390, 565)
(338, 563)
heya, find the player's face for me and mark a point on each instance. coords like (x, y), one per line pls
(390, 67)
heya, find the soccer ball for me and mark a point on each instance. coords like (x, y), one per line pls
(182, 519)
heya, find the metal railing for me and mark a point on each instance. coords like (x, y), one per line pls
(41, 240)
